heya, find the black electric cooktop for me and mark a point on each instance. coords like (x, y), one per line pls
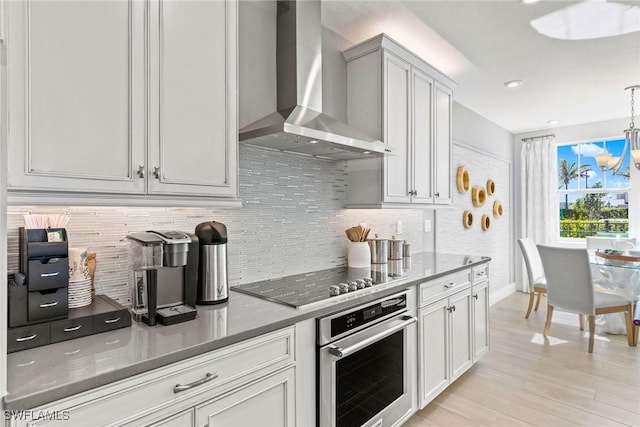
(307, 289)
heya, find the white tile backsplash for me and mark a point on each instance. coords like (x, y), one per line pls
(292, 221)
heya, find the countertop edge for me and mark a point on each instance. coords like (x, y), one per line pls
(39, 399)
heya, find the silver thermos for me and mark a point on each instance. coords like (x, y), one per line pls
(213, 287)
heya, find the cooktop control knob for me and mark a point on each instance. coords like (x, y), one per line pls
(360, 283)
(344, 288)
(334, 290)
(368, 281)
(353, 286)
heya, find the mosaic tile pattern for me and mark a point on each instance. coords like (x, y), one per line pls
(293, 221)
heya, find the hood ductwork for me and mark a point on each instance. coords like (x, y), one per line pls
(299, 126)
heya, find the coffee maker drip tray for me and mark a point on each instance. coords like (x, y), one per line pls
(175, 314)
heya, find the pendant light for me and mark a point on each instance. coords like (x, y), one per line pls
(606, 162)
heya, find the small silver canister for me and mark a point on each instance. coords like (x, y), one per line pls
(395, 248)
(406, 249)
(213, 287)
(379, 250)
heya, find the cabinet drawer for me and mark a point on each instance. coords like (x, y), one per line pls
(147, 396)
(67, 329)
(110, 321)
(26, 337)
(480, 273)
(443, 287)
(50, 274)
(48, 306)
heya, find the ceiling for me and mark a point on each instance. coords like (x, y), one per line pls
(482, 44)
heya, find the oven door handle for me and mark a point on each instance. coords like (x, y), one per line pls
(343, 352)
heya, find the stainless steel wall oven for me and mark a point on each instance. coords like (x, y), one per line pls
(364, 370)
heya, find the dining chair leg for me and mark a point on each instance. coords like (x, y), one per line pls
(547, 323)
(532, 295)
(592, 331)
(538, 300)
(581, 319)
(630, 329)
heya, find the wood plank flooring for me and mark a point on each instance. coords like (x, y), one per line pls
(529, 380)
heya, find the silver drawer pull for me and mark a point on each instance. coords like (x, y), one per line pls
(49, 274)
(449, 285)
(29, 338)
(111, 320)
(49, 304)
(343, 352)
(73, 328)
(179, 387)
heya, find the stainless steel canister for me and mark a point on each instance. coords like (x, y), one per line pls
(406, 249)
(395, 248)
(379, 250)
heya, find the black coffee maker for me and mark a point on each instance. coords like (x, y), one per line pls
(164, 273)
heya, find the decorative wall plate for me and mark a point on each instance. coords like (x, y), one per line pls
(467, 219)
(478, 196)
(462, 179)
(497, 209)
(486, 222)
(491, 187)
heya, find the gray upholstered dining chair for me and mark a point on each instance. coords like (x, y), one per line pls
(535, 272)
(570, 288)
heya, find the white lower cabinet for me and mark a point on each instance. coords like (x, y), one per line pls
(452, 330)
(249, 383)
(269, 402)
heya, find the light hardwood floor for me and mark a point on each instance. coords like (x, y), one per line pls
(526, 379)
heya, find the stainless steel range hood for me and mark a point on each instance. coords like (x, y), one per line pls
(299, 126)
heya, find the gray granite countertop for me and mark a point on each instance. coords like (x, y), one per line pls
(45, 374)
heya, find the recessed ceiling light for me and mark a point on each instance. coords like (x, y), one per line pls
(529, 1)
(313, 141)
(552, 122)
(513, 83)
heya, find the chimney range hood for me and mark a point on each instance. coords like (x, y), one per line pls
(299, 126)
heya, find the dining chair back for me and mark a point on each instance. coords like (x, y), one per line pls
(570, 288)
(535, 272)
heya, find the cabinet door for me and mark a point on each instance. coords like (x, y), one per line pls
(433, 360)
(460, 338)
(396, 131)
(480, 319)
(421, 136)
(77, 95)
(443, 102)
(267, 402)
(192, 119)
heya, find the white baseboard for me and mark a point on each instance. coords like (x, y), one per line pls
(501, 293)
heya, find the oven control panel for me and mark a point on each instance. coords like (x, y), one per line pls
(362, 316)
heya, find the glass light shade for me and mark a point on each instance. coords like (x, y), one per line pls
(603, 159)
(635, 155)
(614, 164)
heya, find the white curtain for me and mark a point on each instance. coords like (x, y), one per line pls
(539, 192)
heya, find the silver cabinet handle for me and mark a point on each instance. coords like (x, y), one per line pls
(450, 285)
(475, 296)
(111, 320)
(437, 194)
(180, 387)
(342, 352)
(73, 328)
(49, 274)
(140, 171)
(49, 304)
(156, 172)
(30, 337)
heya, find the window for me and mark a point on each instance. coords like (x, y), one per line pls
(592, 202)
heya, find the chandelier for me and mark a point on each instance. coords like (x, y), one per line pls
(606, 162)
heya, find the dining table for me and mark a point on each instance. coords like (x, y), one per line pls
(619, 274)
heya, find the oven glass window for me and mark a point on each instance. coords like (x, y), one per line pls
(369, 380)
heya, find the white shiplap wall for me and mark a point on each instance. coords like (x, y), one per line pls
(452, 237)
(292, 221)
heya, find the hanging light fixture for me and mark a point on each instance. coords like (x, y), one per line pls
(606, 162)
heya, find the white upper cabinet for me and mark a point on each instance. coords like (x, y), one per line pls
(396, 97)
(122, 97)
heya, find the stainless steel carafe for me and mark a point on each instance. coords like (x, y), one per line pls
(213, 287)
